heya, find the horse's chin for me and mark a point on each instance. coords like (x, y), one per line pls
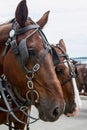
(75, 113)
(46, 119)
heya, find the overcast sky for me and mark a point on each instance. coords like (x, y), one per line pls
(67, 20)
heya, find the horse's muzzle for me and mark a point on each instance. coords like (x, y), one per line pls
(51, 113)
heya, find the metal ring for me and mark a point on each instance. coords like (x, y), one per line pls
(30, 84)
(31, 75)
(23, 108)
(27, 95)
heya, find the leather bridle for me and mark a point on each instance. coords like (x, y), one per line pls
(67, 61)
(21, 53)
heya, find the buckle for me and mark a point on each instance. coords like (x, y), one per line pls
(36, 67)
(30, 84)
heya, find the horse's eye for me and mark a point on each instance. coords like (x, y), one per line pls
(32, 53)
(59, 71)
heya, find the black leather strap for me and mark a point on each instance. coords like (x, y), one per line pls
(8, 105)
(25, 29)
(55, 57)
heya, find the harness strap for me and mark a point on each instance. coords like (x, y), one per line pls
(25, 29)
(9, 122)
(44, 40)
(7, 103)
(4, 110)
(10, 92)
(22, 107)
(12, 127)
(6, 47)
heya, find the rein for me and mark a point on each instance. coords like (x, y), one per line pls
(21, 53)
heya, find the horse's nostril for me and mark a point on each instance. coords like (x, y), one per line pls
(56, 112)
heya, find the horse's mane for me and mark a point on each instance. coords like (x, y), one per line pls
(7, 22)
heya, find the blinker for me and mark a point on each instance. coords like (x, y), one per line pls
(23, 50)
(55, 57)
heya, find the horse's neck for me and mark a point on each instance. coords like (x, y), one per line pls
(4, 32)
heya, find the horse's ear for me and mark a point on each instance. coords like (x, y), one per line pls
(21, 13)
(62, 44)
(43, 20)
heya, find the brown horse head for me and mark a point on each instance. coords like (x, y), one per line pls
(65, 76)
(81, 78)
(28, 64)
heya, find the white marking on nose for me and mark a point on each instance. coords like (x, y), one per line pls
(77, 97)
(76, 92)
